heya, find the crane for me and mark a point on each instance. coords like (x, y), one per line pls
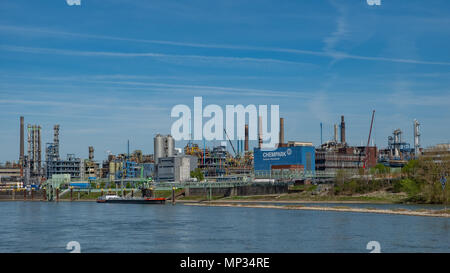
(366, 159)
(230, 142)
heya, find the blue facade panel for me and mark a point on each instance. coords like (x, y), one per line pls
(80, 185)
(296, 155)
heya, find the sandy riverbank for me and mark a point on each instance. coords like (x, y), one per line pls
(428, 213)
(284, 202)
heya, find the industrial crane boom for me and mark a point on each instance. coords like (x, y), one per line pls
(368, 141)
(230, 142)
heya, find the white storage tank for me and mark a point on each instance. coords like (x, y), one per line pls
(158, 147)
(170, 146)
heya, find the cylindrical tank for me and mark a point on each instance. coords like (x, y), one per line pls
(112, 170)
(170, 146)
(158, 147)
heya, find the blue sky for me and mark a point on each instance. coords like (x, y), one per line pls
(109, 71)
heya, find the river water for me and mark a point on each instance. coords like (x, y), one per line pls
(48, 227)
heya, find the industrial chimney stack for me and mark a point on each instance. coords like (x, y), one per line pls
(335, 133)
(416, 138)
(22, 139)
(246, 138)
(281, 140)
(56, 140)
(22, 148)
(260, 138)
(342, 130)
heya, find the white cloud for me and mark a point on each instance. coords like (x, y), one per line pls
(167, 57)
(331, 54)
(341, 31)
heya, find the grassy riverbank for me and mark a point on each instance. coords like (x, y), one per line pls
(307, 196)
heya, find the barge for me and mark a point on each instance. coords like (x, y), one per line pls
(130, 200)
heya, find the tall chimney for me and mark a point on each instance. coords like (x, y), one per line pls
(34, 137)
(246, 138)
(28, 166)
(22, 151)
(29, 129)
(281, 140)
(39, 153)
(56, 140)
(260, 137)
(342, 130)
(335, 133)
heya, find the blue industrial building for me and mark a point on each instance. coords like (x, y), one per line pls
(292, 155)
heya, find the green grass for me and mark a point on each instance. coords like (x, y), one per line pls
(167, 193)
(83, 196)
(307, 188)
(302, 197)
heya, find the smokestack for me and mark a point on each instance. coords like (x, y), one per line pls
(246, 138)
(342, 130)
(91, 153)
(321, 129)
(416, 138)
(34, 149)
(260, 137)
(29, 147)
(22, 151)
(281, 140)
(39, 153)
(335, 133)
(56, 140)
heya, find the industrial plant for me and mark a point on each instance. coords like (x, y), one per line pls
(232, 161)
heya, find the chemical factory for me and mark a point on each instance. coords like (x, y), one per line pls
(230, 161)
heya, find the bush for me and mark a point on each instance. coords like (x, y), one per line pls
(197, 173)
(397, 186)
(409, 186)
(411, 167)
(380, 169)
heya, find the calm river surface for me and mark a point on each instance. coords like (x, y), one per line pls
(48, 227)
